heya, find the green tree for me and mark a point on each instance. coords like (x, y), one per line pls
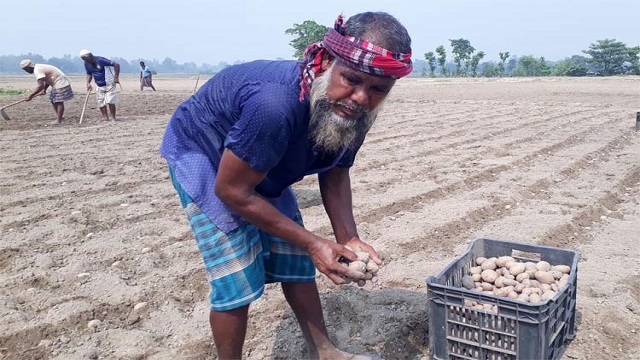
(567, 67)
(306, 34)
(608, 56)
(461, 50)
(634, 60)
(530, 66)
(442, 60)
(475, 60)
(431, 60)
(503, 57)
(490, 69)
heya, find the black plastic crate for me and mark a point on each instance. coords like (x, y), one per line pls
(517, 330)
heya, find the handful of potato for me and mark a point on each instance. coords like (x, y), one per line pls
(364, 265)
(531, 282)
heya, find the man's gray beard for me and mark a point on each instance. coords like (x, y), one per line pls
(330, 132)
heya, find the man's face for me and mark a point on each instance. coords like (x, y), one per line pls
(28, 69)
(87, 58)
(344, 106)
(352, 92)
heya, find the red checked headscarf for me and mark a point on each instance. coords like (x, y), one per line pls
(356, 53)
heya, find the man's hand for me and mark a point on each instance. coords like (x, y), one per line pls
(358, 245)
(325, 255)
(116, 80)
(89, 88)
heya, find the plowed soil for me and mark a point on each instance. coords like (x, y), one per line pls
(91, 226)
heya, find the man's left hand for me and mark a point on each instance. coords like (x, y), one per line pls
(358, 245)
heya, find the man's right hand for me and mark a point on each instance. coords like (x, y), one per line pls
(89, 88)
(325, 255)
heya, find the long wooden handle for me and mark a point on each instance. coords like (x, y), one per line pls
(86, 99)
(13, 103)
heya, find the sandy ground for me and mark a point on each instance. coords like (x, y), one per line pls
(91, 228)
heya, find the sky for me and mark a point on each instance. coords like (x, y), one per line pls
(211, 31)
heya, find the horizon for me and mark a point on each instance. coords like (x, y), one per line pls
(248, 30)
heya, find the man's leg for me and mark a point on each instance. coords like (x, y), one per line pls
(305, 302)
(105, 115)
(229, 329)
(112, 110)
(59, 108)
(141, 84)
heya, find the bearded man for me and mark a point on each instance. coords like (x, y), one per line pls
(236, 146)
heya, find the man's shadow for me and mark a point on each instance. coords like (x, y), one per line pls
(308, 197)
(382, 323)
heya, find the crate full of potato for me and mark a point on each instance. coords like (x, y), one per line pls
(503, 300)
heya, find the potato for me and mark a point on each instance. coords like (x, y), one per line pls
(499, 282)
(556, 274)
(534, 298)
(513, 295)
(489, 276)
(517, 269)
(486, 286)
(480, 260)
(545, 287)
(363, 256)
(530, 266)
(489, 264)
(523, 297)
(544, 277)
(548, 295)
(476, 277)
(372, 267)
(358, 266)
(467, 282)
(522, 277)
(503, 260)
(475, 270)
(543, 266)
(565, 269)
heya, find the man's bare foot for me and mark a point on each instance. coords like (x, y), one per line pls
(56, 122)
(336, 354)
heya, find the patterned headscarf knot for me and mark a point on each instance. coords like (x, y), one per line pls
(356, 53)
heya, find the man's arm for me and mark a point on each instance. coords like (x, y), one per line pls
(42, 86)
(335, 187)
(235, 186)
(116, 77)
(89, 77)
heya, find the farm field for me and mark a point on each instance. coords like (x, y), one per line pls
(91, 228)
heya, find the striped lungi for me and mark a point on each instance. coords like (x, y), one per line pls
(239, 263)
(61, 94)
(146, 81)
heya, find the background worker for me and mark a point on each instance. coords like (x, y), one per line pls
(145, 77)
(238, 144)
(50, 76)
(107, 91)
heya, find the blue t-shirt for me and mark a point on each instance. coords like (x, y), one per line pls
(254, 110)
(96, 69)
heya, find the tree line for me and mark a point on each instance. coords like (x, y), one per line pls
(603, 58)
(75, 65)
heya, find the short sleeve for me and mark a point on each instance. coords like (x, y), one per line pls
(262, 133)
(104, 61)
(39, 73)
